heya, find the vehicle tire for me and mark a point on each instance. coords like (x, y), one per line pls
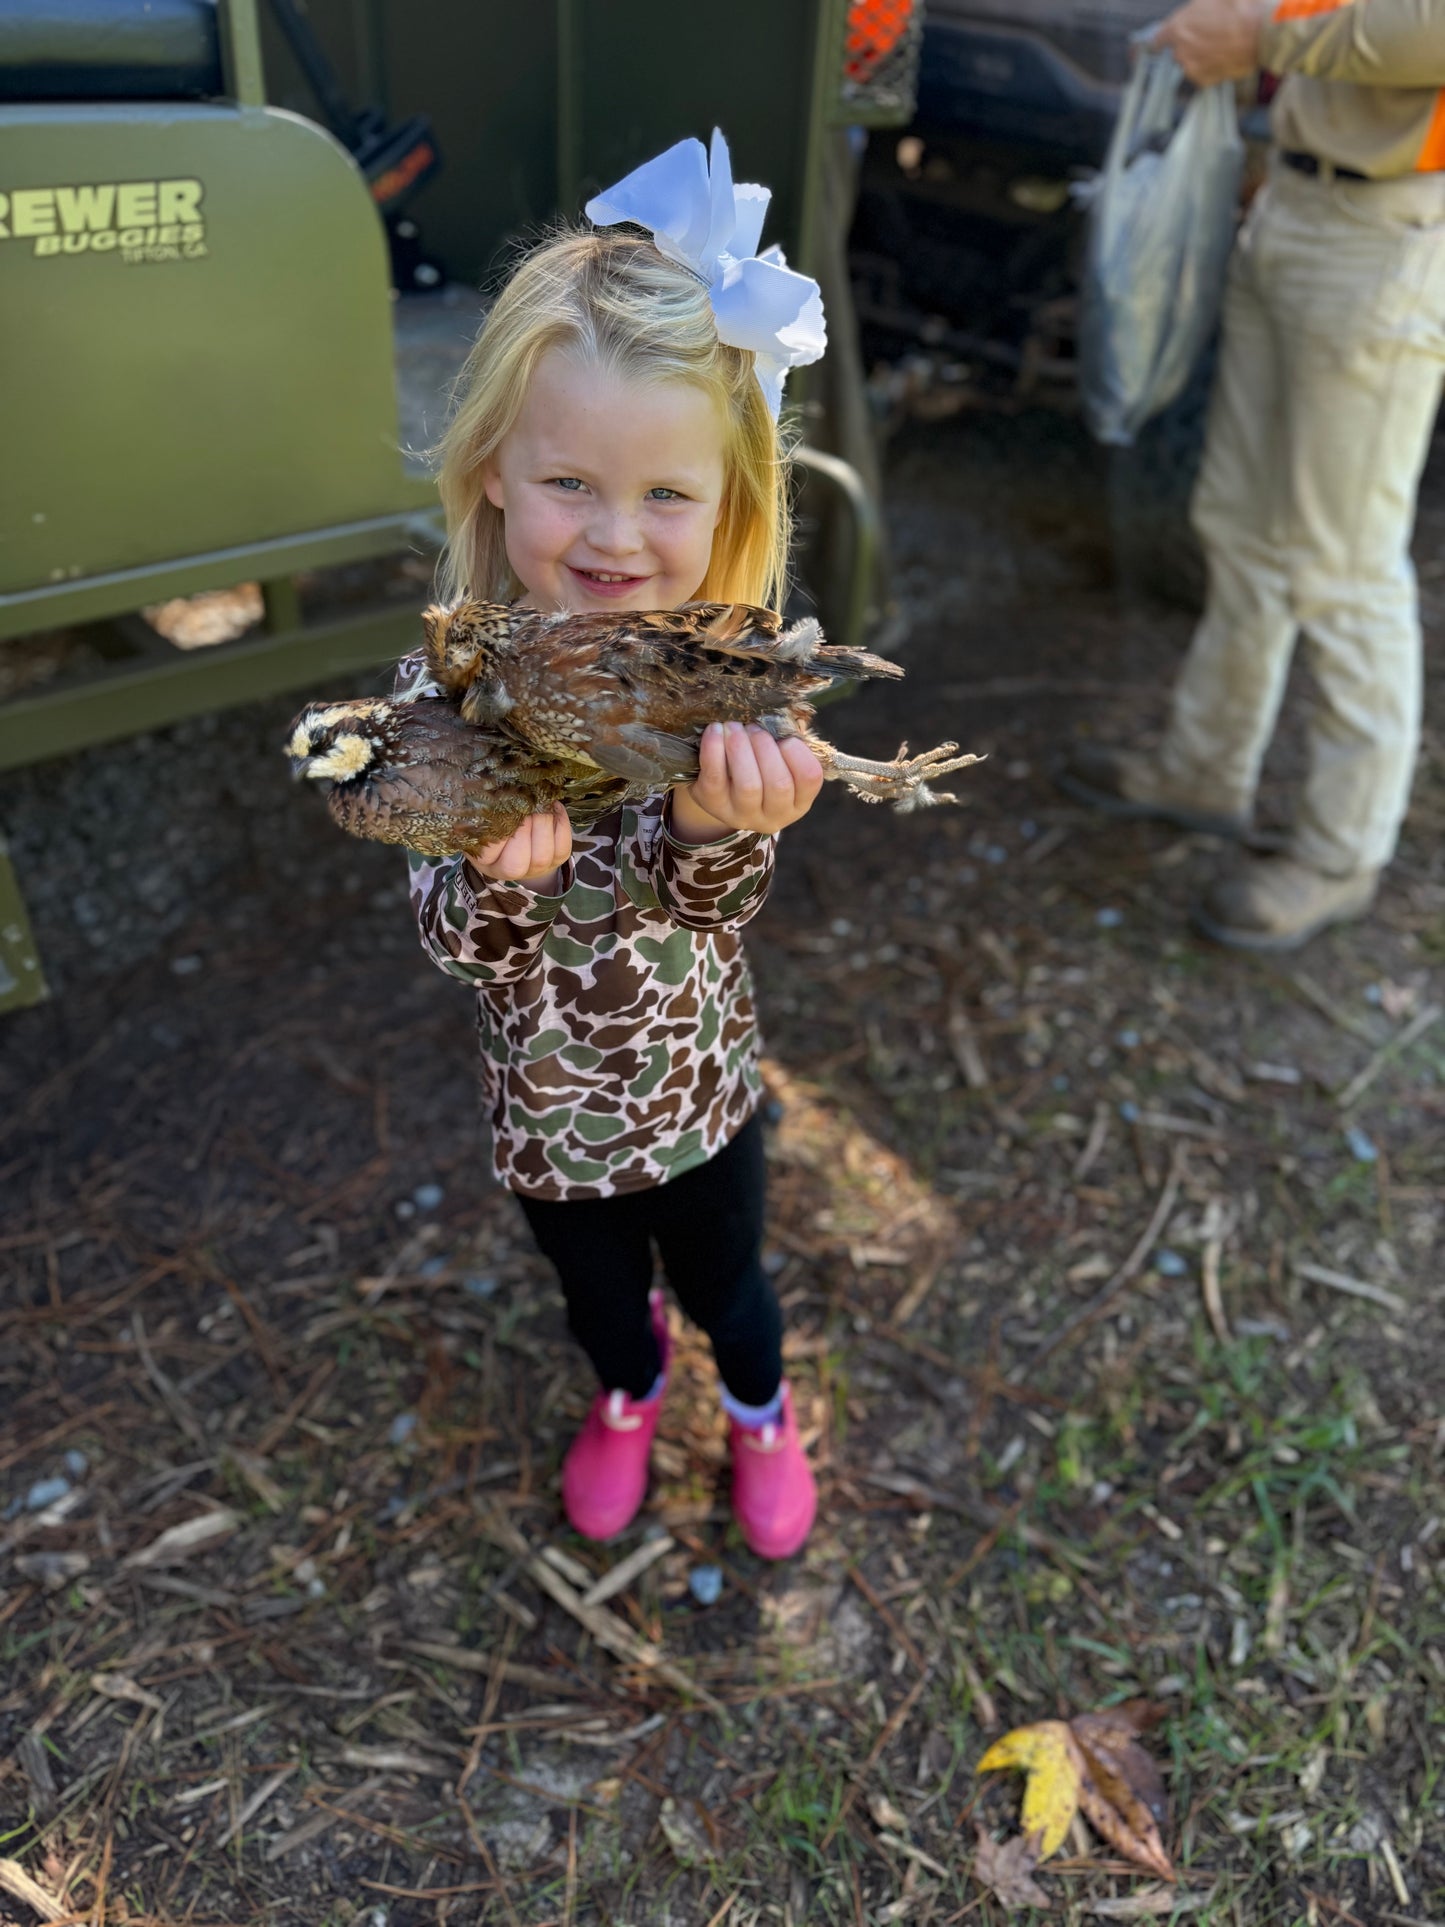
(1156, 552)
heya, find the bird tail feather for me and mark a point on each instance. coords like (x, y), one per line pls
(802, 645)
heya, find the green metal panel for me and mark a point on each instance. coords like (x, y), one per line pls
(651, 72)
(22, 981)
(535, 107)
(97, 597)
(150, 694)
(237, 390)
(486, 75)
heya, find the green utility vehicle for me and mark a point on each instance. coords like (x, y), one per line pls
(200, 347)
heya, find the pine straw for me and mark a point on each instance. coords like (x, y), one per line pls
(982, 1092)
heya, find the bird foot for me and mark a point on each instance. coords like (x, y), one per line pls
(905, 781)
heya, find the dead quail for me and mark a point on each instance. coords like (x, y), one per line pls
(416, 774)
(631, 694)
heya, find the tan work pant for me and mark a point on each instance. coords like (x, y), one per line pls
(1329, 377)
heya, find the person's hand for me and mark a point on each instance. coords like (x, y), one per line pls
(1214, 40)
(533, 852)
(747, 780)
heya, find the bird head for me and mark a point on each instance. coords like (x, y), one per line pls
(333, 743)
(462, 640)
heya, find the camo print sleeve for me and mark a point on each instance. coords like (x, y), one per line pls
(478, 928)
(709, 886)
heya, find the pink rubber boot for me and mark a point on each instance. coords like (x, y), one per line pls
(604, 1476)
(774, 1497)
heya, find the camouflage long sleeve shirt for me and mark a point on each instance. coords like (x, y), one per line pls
(618, 1034)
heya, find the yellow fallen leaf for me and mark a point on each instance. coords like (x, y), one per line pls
(1092, 1765)
(1047, 1753)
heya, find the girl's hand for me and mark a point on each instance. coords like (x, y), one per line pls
(747, 780)
(533, 853)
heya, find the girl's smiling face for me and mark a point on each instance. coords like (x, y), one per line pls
(610, 488)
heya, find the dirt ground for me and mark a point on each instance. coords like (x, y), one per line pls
(1111, 1270)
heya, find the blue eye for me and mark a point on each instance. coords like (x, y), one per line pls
(665, 495)
(569, 482)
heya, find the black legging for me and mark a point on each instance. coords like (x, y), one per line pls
(708, 1227)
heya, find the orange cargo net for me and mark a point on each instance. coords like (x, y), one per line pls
(875, 28)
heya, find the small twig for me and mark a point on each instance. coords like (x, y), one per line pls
(897, 1844)
(430, 1893)
(184, 1417)
(605, 1627)
(1098, 1137)
(1333, 1907)
(887, 1733)
(1352, 1287)
(569, 1901)
(985, 1708)
(1133, 1264)
(318, 1823)
(1392, 1867)
(257, 1800)
(887, 1616)
(394, 1759)
(467, 1659)
(1046, 844)
(1002, 686)
(15, 1881)
(485, 1854)
(1176, 1126)
(621, 1576)
(1213, 1301)
(1401, 1041)
(1315, 995)
(977, 1514)
(913, 1298)
(963, 1042)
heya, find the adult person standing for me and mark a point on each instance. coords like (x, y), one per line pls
(1329, 377)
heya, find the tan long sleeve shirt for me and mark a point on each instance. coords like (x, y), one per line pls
(1363, 82)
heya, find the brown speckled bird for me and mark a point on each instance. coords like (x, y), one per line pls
(416, 774)
(586, 710)
(631, 694)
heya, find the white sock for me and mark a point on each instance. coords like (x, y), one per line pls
(753, 1418)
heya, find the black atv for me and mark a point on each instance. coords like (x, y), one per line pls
(968, 237)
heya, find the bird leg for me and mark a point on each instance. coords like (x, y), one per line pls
(903, 782)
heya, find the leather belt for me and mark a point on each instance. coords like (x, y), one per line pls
(1312, 164)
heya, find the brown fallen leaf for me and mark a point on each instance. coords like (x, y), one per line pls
(1139, 1843)
(1007, 1869)
(1111, 1802)
(1094, 1765)
(1128, 1779)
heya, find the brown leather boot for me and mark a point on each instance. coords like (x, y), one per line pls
(1132, 782)
(1279, 903)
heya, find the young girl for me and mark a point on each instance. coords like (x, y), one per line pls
(615, 448)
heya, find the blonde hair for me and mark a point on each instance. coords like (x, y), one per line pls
(616, 300)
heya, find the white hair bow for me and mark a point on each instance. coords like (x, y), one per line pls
(699, 219)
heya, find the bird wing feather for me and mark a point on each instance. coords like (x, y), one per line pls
(645, 754)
